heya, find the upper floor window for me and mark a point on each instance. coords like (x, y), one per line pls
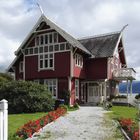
(46, 61)
(47, 38)
(79, 60)
(21, 66)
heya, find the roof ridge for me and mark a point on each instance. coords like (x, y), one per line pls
(96, 36)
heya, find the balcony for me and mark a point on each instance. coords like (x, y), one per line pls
(124, 74)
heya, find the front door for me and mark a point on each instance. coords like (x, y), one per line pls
(93, 94)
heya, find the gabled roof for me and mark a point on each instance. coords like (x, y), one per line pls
(67, 36)
(102, 45)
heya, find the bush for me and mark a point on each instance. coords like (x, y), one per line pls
(5, 77)
(26, 97)
(66, 96)
(121, 97)
(76, 105)
(137, 96)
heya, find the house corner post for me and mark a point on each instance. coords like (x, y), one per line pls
(4, 119)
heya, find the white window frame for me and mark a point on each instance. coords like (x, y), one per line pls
(21, 67)
(46, 68)
(77, 88)
(78, 60)
(46, 81)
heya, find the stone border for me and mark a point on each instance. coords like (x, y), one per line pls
(125, 134)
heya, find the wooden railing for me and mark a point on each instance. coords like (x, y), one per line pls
(124, 73)
(3, 120)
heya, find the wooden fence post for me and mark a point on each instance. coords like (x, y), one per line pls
(3, 120)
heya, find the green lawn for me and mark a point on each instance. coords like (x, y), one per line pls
(17, 120)
(123, 112)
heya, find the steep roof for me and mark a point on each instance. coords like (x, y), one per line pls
(67, 36)
(102, 45)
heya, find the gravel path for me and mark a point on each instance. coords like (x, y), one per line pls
(87, 123)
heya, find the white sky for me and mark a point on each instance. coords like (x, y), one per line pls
(78, 17)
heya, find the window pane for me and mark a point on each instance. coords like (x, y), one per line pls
(51, 63)
(62, 46)
(46, 39)
(55, 38)
(41, 56)
(51, 48)
(41, 50)
(26, 52)
(41, 81)
(41, 63)
(67, 46)
(46, 63)
(37, 40)
(50, 38)
(46, 55)
(51, 56)
(35, 50)
(41, 39)
(56, 47)
(54, 91)
(46, 49)
(31, 50)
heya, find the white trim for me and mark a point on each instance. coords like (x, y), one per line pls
(69, 86)
(43, 30)
(78, 60)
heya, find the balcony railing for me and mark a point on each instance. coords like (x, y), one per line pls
(124, 73)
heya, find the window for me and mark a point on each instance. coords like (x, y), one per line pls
(46, 61)
(76, 87)
(55, 37)
(52, 86)
(21, 66)
(78, 60)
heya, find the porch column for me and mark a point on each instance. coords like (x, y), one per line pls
(127, 92)
(105, 91)
(130, 87)
(69, 87)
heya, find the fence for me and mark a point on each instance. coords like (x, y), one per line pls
(3, 120)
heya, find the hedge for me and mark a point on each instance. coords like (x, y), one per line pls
(26, 97)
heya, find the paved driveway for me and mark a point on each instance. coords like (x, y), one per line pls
(87, 123)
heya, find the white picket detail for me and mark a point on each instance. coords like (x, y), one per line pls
(3, 120)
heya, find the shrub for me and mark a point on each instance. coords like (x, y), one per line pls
(26, 97)
(76, 105)
(121, 97)
(66, 96)
(5, 77)
(137, 96)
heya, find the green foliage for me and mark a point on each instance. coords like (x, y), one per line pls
(64, 106)
(15, 121)
(66, 96)
(137, 96)
(121, 97)
(123, 112)
(76, 105)
(5, 77)
(26, 97)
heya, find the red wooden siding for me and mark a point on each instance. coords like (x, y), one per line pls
(61, 67)
(96, 68)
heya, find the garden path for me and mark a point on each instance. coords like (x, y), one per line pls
(87, 123)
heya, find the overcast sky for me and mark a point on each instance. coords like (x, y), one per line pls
(78, 17)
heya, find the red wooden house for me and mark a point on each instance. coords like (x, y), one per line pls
(90, 68)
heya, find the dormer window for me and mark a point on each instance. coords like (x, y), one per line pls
(21, 66)
(78, 60)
